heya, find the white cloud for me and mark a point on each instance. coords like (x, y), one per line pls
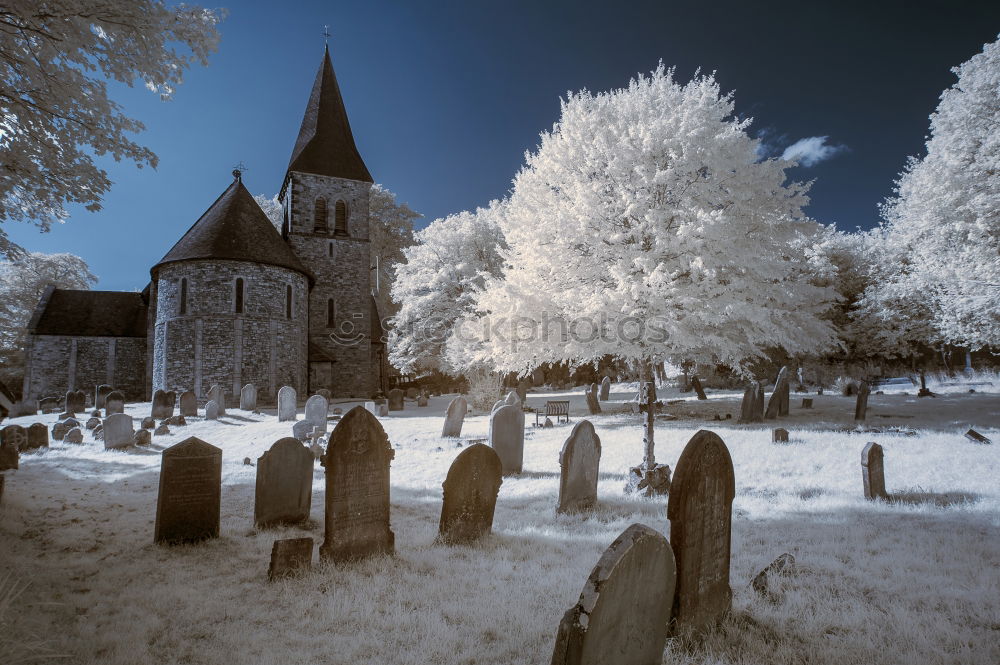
(811, 150)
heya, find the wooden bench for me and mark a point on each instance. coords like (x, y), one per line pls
(557, 408)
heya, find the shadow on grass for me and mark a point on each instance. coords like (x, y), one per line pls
(941, 499)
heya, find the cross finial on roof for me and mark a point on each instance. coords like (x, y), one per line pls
(238, 170)
(326, 34)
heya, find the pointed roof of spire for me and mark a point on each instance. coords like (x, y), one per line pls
(234, 228)
(325, 145)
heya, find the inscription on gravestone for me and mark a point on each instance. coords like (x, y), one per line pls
(470, 495)
(188, 504)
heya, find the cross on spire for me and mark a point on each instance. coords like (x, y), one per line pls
(238, 170)
(326, 34)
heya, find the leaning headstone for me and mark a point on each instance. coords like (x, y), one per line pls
(177, 420)
(101, 394)
(593, 404)
(698, 389)
(301, 430)
(15, 435)
(861, 405)
(873, 472)
(783, 565)
(118, 431)
(49, 404)
(357, 489)
(163, 404)
(779, 435)
(290, 557)
(8, 455)
(370, 406)
(75, 435)
(76, 401)
(775, 405)
(700, 512)
(38, 436)
(148, 423)
(455, 417)
(395, 399)
(605, 389)
(188, 504)
(283, 491)
(189, 404)
(212, 410)
(623, 614)
(758, 405)
(114, 403)
(579, 463)
(470, 495)
(971, 435)
(316, 411)
(507, 437)
(286, 403)
(248, 397)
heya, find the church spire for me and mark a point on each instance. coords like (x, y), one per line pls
(325, 145)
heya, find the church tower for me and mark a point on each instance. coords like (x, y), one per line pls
(326, 223)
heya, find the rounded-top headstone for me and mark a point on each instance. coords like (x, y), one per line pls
(470, 494)
(74, 435)
(286, 403)
(248, 397)
(38, 436)
(317, 407)
(163, 404)
(117, 431)
(188, 403)
(16, 436)
(512, 398)
(507, 437)
(212, 410)
(580, 462)
(395, 399)
(283, 490)
(114, 403)
(100, 395)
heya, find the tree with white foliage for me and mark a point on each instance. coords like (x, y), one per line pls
(943, 225)
(645, 228)
(435, 286)
(56, 57)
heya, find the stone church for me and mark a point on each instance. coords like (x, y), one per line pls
(235, 301)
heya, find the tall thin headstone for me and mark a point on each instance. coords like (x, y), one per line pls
(455, 417)
(593, 404)
(700, 512)
(189, 500)
(100, 395)
(212, 410)
(357, 489)
(861, 405)
(507, 437)
(605, 389)
(779, 397)
(218, 395)
(117, 431)
(283, 491)
(470, 495)
(189, 403)
(286, 403)
(579, 463)
(316, 411)
(873, 472)
(248, 397)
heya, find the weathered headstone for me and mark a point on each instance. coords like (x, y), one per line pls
(973, 435)
(395, 399)
(605, 389)
(101, 395)
(455, 417)
(177, 420)
(49, 404)
(747, 405)
(216, 394)
(212, 410)
(700, 512)
(284, 484)
(9, 455)
(287, 405)
(76, 401)
(161, 430)
(593, 404)
(301, 430)
(189, 403)
(470, 495)
(114, 403)
(316, 411)
(93, 422)
(779, 435)
(411, 393)
(758, 405)
(38, 436)
(873, 472)
(324, 393)
(421, 400)
(148, 423)
(861, 404)
(775, 405)
(189, 500)
(15, 435)
(248, 397)
(59, 430)
(698, 389)
(357, 489)
(512, 399)
(579, 463)
(75, 435)
(623, 614)
(783, 565)
(507, 437)
(289, 557)
(807, 403)
(163, 404)
(142, 438)
(370, 406)
(117, 430)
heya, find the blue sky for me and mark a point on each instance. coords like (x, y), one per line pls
(445, 97)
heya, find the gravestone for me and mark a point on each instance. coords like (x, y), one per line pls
(117, 431)
(287, 405)
(470, 495)
(357, 489)
(747, 405)
(38, 436)
(59, 430)
(758, 405)
(9, 455)
(779, 435)
(114, 403)
(290, 557)
(188, 504)
(976, 437)
(76, 401)
(215, 394)
(807, 403)
(861, 405)
(301, 430)
(455, 417)
(579, 462)
(623, 614)
(512, 399)
(698, 389)
(873, 472)
(605, 389)
(411, 393)
(700, 511)
(163, 404)
(162, 430)
(421, 400)
(395, 399)
(142, 438)
(16, 436)
(93, 422)
(324, 393)
(188, 404)
(593, 404)
(212, 411)
(383, 408)
(284, 484)
(783, 565)
(507, 437)
(75, 435)
(148, 423)
(316, 411)
(248, 397)
(777, 405)
(101, 394)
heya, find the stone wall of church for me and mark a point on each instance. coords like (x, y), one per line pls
(57, 363)
(209, 342)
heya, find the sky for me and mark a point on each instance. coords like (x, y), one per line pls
(445, 97)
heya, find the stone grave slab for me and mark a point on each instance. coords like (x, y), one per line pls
(76, 401)
(212, 410)
(287, 403)
(470, 495)
(283, 490)
(455, 417)
(873, 472)
(317, 408)
(507, 437)
(189, 499)
(579, 463)
(189, 404)
(779, 435)
(248, 397)
(290, 557)
(117, 431)
(114, 403)
(38, 436)
(976, 437)
(395, 399)
(163, 404)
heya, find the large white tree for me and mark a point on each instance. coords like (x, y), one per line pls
(644, 227)
(943, 225)
(56, 57)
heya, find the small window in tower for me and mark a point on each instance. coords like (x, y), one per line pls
(331, 313)
(239, 295)
(329, 249)
(184, 296)
(288, 301)
(340, 219)
(319, 216)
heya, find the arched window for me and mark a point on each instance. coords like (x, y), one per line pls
(319, 216)
(329, 249)
(240, 287)
(288, 301)
(331, 313)
(184, 296)
(340, 219)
